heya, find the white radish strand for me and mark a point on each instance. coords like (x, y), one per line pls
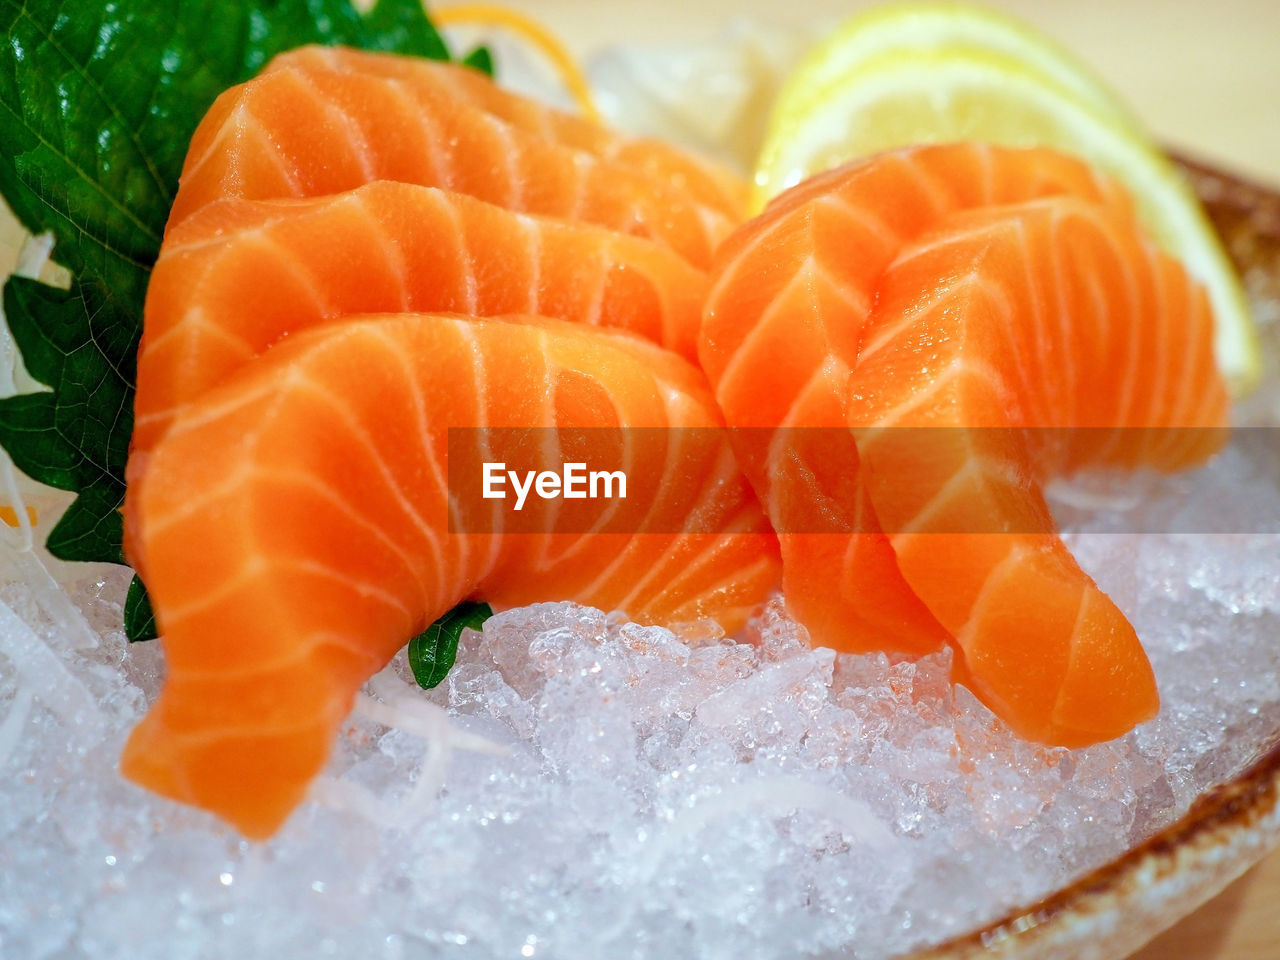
(24, 561)
(41, 670)
(14, 722)
(398, 706)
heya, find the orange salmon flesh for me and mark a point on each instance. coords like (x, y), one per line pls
(365, 251)
(368, 250)
(973, 291)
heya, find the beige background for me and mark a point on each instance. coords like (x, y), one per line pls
(1203, 74)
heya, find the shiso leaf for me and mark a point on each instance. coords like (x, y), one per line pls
(139, 620)
(82, 342)
(479, 59)
(98, 101)
(398, 26)
(432, 652)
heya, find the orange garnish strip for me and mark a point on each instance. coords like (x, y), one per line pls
(9, 516)
(492, 15)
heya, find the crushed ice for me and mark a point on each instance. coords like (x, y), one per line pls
(582, 786)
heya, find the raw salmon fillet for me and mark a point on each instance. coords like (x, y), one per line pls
(293, 526)
(709, 183)
(322, 120)
(239, 275)
(1007, 301)
(329, 331)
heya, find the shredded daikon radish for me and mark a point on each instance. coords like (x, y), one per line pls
(43, 672)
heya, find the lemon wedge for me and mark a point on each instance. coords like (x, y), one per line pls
(921, 27)
(918, 74)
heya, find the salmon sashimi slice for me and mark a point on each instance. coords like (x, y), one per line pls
(1056, 315)
(326, 120)
(709, 183)
(240, 275)
(317, 481)
(316, 373)
(792, 291)
(983, 319)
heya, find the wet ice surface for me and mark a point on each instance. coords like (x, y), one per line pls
(583, 787)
